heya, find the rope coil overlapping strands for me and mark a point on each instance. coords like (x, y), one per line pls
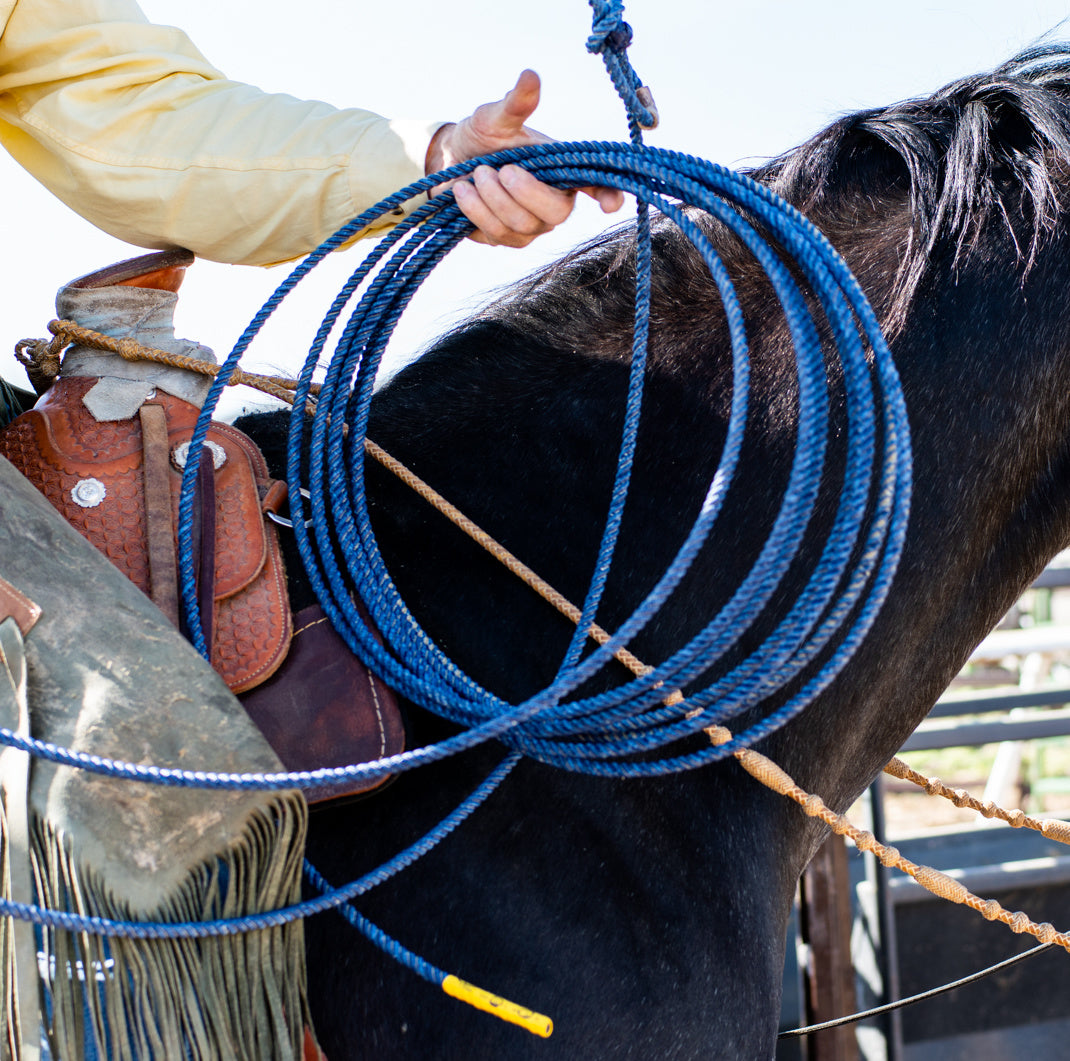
(604, 734)
(613, 733)
(340, 553)
(632, 729)
(621, 732)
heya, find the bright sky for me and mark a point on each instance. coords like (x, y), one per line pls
(733, 82)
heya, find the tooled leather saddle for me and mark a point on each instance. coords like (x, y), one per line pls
(81, 465)
(116, 477)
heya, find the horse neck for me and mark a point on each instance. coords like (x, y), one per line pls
(984, 361)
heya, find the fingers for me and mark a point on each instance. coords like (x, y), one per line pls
(510, 207)
(609, 199)
(494, 126)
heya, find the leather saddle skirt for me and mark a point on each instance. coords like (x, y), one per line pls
(314, 700)
(118, 482)
(94, 475)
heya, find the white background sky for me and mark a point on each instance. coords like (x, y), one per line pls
(733, 82)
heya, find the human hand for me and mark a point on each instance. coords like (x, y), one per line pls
(508, 206)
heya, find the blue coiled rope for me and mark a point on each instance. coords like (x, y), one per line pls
(601, 734)
(415, 666)
(340, 552)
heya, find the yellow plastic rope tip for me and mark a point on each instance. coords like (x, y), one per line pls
(501, 1008)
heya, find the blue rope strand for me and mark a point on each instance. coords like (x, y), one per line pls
(610, 37)
(374, 934)
(328, 900)
(409, 659)
(600, 734)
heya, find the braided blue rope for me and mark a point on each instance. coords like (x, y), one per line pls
(329, 899)
(374, 934)
(337, 462)
(600, 734)
(414, 664)
(610, 37)
(411, 661)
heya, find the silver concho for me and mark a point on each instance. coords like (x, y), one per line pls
(181, 452)
(88, 493)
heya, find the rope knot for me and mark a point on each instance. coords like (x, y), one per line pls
(608, 22)
(610, 38)
(619, 39)
(41, 359)
(990, 910)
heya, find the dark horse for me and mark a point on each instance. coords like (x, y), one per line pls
(648, 917)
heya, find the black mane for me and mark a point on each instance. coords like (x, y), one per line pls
(991, 147)
(897, 185)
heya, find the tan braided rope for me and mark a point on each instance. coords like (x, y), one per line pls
(1018, 819)
(42, 356)
(766, 771)
(757, 765)
(940, 884)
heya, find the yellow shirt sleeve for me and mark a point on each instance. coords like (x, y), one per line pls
(134, 129)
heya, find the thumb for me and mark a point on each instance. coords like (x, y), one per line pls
(520, 101)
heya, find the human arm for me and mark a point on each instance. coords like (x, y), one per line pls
(134, 129)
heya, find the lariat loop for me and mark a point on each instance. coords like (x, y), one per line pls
(610, 38)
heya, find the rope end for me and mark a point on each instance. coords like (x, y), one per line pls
(503, 1009)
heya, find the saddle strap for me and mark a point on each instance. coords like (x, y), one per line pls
(205, 546)
(159, 534)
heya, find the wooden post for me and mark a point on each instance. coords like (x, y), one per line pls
(825, 926)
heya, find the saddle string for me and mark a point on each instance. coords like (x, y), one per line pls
(755, 763)
(940, 884)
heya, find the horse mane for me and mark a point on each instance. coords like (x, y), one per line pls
(901, 183)
(989, 146)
